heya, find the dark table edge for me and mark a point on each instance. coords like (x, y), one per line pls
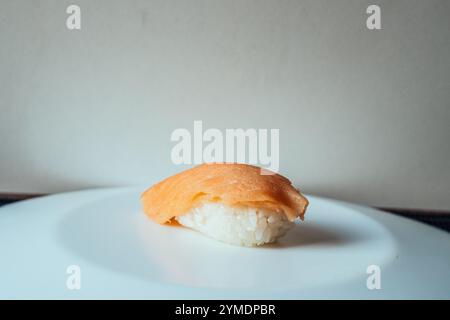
(10, 197)
(437, 218)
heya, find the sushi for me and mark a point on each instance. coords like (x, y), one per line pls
(230, 202)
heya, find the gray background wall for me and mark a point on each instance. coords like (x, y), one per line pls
(364, 115)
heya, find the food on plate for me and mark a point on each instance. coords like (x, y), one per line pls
(230, 202)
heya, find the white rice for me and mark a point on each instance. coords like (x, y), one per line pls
(238, 226)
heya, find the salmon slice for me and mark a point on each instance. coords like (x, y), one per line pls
(226, 183)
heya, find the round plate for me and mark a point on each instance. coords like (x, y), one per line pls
(120, 253)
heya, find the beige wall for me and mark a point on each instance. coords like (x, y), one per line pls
(363, 115)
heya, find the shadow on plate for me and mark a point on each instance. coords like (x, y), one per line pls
(313, 235)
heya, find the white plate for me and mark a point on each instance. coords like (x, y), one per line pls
(123, 254)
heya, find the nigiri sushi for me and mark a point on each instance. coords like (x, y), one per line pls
(230, 202)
